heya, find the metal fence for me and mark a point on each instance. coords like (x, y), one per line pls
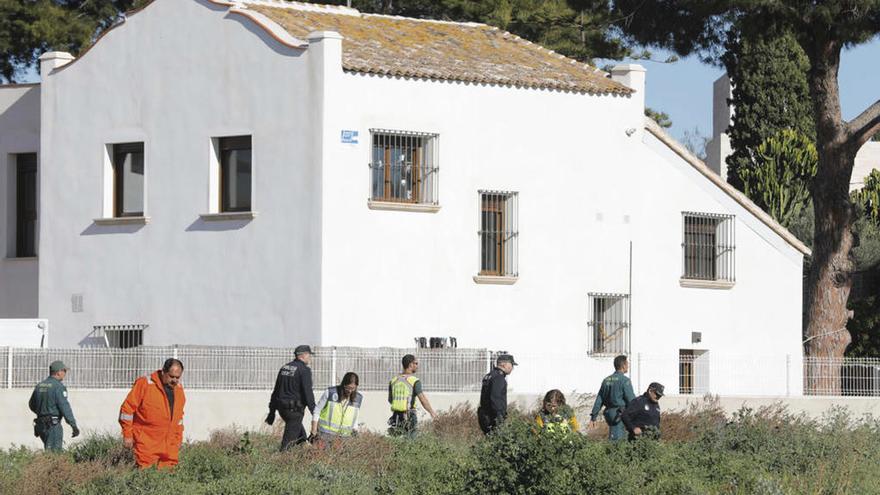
(240, 368)
(842, 376)
(452, 370)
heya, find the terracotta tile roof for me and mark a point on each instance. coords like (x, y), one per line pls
(468, 52)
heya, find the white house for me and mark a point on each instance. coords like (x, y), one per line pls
(267, 173)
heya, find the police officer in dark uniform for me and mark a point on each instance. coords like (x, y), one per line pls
(493, 394)
(292, 395)
(49, 403)
(642, 415)
(615, 394)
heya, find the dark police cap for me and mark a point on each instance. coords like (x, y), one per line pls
(657, 388)
(506, 358)
(302, 349)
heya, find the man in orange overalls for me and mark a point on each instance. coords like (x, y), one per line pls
(152, 416)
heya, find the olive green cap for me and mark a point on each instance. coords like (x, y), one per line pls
(57, 366)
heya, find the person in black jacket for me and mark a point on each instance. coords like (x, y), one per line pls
(493, 395)
(642, 416)
(292, 395)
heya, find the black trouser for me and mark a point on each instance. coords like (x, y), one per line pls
(403, 423)
(488, 422)
(293, 427)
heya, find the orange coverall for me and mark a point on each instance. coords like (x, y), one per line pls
(145, 417)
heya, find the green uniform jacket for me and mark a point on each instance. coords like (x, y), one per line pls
(616, 392)
(50, 399)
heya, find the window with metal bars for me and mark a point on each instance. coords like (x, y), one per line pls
(499, 231)
(708, 247)
(121, 336)
(608, 324)
(404, 167)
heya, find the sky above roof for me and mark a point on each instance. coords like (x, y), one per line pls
(684, 89)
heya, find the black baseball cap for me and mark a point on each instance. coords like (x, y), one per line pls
(506, 358)
(657, 388)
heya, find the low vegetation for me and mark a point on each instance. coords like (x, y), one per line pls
(765, 451)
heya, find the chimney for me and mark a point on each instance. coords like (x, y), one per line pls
(50, 61)
(633, 77)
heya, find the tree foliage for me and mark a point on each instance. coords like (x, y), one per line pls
(868, 197)
(770, 94)
(30, 27)
(661, 118)
(779, 177)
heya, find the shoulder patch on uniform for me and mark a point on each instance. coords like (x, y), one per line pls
(64, 393)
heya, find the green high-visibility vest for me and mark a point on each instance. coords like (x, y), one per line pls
(402, 392)
(339, 418)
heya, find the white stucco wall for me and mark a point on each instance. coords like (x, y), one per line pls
(867, 159)
(154, 79)
(586, 191)
(19, 133)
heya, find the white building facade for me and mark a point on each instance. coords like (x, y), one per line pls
(262, 184)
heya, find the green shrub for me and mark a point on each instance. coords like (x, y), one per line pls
(765, 451)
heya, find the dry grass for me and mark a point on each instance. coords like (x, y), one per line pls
(53, 474)
(685, 425)
(458, 423)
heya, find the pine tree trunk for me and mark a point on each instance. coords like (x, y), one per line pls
(830, 276)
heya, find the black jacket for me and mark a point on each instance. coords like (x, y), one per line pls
(642, 413)
(493, 395)
(293, 388)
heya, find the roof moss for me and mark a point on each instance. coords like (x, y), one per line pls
(467, 52)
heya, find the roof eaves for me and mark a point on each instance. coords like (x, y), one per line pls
(271, 27)
(731, 191)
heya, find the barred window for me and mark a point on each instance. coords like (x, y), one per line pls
(499, 231)
(120, 336)
(708, 247)
(404, 167)
(608, 324)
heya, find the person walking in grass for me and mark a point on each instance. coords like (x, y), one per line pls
(555, 416)
(614, 395)
(338, 411)
(49, 402)
(403, 390)
(493, 394)
(292, 395)
(642, 415)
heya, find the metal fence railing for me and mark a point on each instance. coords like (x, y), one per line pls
(688, 372)
(842, 376)
(241, 368)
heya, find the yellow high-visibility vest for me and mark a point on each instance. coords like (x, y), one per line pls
(338, 418)
(402, 387)
(553, 423)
